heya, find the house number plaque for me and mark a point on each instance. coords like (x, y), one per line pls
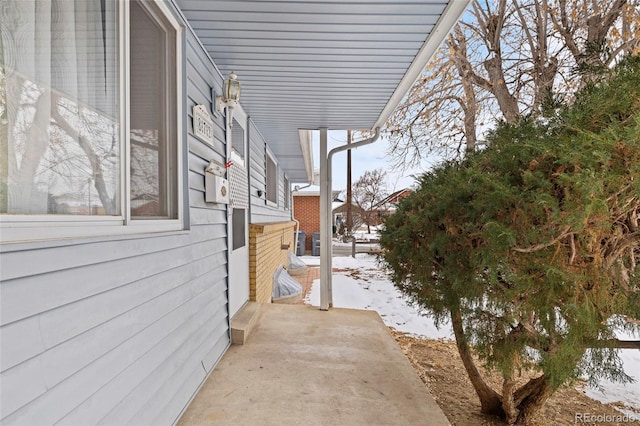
(202, 124)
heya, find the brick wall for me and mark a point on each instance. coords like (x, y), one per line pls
(306, 209)
(266, 254)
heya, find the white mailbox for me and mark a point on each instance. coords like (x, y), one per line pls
(216, 188)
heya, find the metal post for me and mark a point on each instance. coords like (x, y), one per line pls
(353, 246)
(325, 226)
(349, 198)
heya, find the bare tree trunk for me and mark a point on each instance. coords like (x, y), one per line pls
(491, 25)
(38, 138)
(458, 43)
(108, 203)
(490, 400)
(545, 67)
(506, 101)
(598, 26)
(631, 45)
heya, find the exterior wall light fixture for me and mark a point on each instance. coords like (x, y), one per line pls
(230, 96)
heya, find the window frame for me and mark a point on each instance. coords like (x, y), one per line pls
(234, 155)
(26, 228)
(270, 157)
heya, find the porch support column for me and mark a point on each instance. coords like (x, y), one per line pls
(326, 301)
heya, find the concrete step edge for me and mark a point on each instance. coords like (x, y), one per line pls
(243, 322)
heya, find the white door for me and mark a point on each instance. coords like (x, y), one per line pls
(238, 213)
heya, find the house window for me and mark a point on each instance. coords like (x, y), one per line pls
(237, 141)
(89, 100)
(272, 180)
(287, 193)
(153, 117)
(238, 228)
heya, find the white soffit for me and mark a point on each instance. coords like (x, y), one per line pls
(326, 63)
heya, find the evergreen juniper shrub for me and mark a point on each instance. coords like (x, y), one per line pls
(531, 247)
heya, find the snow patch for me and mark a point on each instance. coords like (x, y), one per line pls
(363, 285)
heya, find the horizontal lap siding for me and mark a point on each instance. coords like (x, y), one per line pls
(120, 330)
(260, 211)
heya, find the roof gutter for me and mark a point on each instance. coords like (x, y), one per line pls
(447, 20)
(326, 221)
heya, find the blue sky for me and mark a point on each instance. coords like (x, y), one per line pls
(368, 157)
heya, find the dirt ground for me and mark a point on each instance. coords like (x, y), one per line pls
(440, 368)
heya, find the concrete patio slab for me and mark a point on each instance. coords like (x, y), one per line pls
(306, 366)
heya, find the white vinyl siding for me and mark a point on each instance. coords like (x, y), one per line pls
(261, 210)
(287, 193)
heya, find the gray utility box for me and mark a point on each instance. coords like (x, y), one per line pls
(315, 244)
(302, 243)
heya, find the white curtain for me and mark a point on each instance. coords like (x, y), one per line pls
(59, 107)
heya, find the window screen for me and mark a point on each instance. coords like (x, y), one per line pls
(153, 154)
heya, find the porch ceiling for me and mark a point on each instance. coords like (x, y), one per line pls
(324, 63)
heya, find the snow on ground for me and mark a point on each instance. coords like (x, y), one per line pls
(372, 290)
(310, 260)
(364, 236)
(361, 284)
(628, 393)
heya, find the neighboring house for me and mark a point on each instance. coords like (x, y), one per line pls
(388, 205)
(306, 210)
(340, 215)
(383, 208)
(125, 254)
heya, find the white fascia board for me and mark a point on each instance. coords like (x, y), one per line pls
(447, 20)
(307, 152)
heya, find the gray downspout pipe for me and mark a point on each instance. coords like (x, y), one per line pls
(326, 291)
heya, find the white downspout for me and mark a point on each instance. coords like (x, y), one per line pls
(326, 267)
